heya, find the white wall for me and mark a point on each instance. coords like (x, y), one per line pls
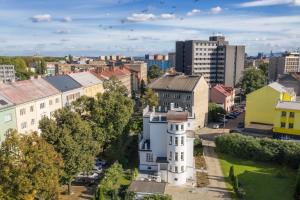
(158, 143)
(65, 94)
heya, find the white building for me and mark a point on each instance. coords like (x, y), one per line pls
(7, 73)
(166, 146)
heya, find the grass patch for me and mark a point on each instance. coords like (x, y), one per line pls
(260, 180)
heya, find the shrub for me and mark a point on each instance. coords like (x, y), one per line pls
(260, 149)
(231, 173)
(240, 193)
(198, 147)
(158, 197)
(297, 189)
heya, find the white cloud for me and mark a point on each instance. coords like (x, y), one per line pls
(216, 10)
(62, 31)
(167, 16)
(67, 19)
(41, 18)
(193, 12)
(136, 17)
(259, 3)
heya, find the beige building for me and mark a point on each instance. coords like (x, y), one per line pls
(34, 99)
(90, 83)
(190, 93)
(138, 73)
(223, 95)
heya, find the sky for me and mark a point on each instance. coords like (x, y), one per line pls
(138, 27)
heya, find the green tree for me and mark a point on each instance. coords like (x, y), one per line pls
(231, 173)
(30, 168)
(264, 68)
(150, 98)
(114, 85)
(154, 72)
(253, 79)
(72, 137)
(158, 197)
(129, 195)
(297, 188)
(143, 87)
(214, 112)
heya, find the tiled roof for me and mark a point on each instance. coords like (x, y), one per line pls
(63, 83)
(86, 79)
(175, 83)
(289, 105)
(226, 91)
(24, 91)
(116, 71)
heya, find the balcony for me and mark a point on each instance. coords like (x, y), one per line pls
(144, 145)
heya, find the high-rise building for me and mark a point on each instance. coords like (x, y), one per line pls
(214, 59)
(285, 64)
(172, 59)
(7, 73)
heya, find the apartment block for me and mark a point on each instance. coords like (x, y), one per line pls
(190, 93)
(7, 73)
(214, 59)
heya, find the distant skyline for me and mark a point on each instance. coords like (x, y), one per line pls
(138, 27)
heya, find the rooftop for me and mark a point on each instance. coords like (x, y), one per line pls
(86, 79)
(226, 91)
(173, 116)
(175, 83)
(4, 102)
(24, 91)
(115, 71)
(280, 88)
(147, 187)
(63, 83)
(289, 105)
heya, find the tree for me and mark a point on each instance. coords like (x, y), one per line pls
(231, 173)
(264, 68)
(158, 197)
(143, 87)
(154, 72)
(30, 168)
(252, 80)
(72, 137)
(114, 85)
(215, 112)
(297, 189)
(150, 98)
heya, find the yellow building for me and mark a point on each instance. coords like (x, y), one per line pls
(287, 118)
(90, 83)
(261, 104)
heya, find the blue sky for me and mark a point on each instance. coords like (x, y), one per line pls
(136, 27)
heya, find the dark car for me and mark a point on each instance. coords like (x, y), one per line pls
(240, 125)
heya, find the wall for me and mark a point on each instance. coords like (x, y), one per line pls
(93, 90)
(65, 94)
(278, 119)
(29, 117)
(158, 139)
(12, 124)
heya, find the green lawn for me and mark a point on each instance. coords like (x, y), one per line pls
(261, 181)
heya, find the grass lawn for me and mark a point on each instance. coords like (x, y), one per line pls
(261, 181)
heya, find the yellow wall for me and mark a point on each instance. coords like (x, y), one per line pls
(278, 119)
(92, 91)
(260, 106)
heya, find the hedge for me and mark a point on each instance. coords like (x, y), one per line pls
(260, 149)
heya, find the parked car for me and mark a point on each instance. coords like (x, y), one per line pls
(221, 120)
(230, 117)
(216, 126)
(240, 125)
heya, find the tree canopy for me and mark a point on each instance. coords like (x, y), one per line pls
(149, 98)
(154, 72)
(214, 112)
(30, 168)
(253, 79)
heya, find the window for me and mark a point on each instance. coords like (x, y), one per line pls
(171, 140)
(42, 105)
(182, 156)
(50, 102)
(22, 111)
(283, 114)
(149, 157)
(23, 125)
(172, 127)
(176, 156)
(170, 155)
(291, 125)
(182, 127)
(182, 140)
(57, 100)
(182, 168)
(176, 169)
(282, 125)
(176, 141)
(292, 114)
(177, 127)
(7, 118)
(32, 121)
(31, 109)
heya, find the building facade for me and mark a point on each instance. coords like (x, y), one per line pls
(172, 59)
(285, 64)
(188, 92)
(214, 59)
(224, 96)
(167, 144)
(7, 117)
(7, 73)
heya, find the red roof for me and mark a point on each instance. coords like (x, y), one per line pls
(116, 71)
(226, 91)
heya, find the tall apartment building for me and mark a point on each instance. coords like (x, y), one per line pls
(172, 59)
(7, 73)
(285, 64)
(190, 93)
(214, 59)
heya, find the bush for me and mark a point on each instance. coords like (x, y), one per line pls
(158, 197)
(213, 112)
(231, 173)
(198, 147)
(297, 189)
(260, 149)
(240, 193)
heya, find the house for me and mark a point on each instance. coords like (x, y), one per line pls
(185, 91)
(261, 106)
(33, 100)
(167, 144)
(90, 83)
(7, 117)
(220, 94)
(70, 89)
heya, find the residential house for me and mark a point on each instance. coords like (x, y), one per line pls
(223, 95)
(188, 92)
(90, 83)
(33, 99)
(138, 74)
(167, 144)
(7, 117)
(70, 89)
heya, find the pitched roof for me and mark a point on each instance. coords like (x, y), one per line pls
(86, 79)
(175, 83)
(4, 102)
(278, 87)
(63, 83)
(148, 187)
(289, 105)
(226, 91)
(24, 91)
(116, 71)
